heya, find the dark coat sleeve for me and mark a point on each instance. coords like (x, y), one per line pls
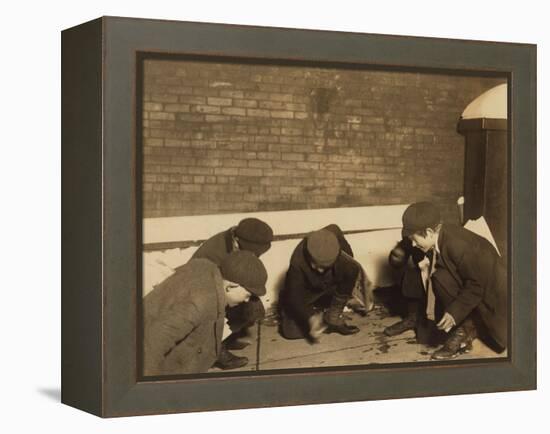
(296, 294)
(215, 248)
(346, 273)
(470, 269)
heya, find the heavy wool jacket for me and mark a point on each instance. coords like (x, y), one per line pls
(184, 320)
(480, 273)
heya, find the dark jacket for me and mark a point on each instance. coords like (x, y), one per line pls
(304, 286)
(217, 247)
(184, 320)
(478, 270)
(410, 276)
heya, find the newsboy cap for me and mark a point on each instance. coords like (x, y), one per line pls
(254, 235)
(419, 216)
(323, 247)
(246, 269)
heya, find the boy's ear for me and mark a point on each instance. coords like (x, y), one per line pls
(226, 285)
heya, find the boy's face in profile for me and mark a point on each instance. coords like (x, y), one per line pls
(424, 243)
(235, 294)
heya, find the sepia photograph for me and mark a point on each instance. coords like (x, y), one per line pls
(313, 215)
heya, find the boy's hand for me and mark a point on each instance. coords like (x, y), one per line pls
(446, 323)
(398, 257)
(316, 326)
(226, 329)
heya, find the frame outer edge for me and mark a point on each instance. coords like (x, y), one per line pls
(81, 311)
(524, 218)
(531, 243)
(123, 396)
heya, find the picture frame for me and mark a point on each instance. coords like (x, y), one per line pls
(101, 222)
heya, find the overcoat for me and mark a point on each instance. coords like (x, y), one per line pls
(479, 272)
(184, 320)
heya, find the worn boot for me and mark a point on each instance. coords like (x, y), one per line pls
(334, 317)
(236, 344)
(234, 341)
(459, 342)
(470, 328)
(227, 360)
(409, 323)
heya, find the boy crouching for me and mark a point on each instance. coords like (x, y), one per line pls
(184, 315)
(467, 276)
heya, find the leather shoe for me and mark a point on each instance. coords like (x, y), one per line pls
(227, 360)
(343, 329)
(400, 327)
(458, 343)
(235, 344)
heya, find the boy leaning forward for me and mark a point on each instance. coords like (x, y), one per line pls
(467, 280)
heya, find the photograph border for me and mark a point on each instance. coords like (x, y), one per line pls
(111, 386)
(143, 56)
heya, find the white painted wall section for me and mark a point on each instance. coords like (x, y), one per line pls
(370, 248)
(194, 228)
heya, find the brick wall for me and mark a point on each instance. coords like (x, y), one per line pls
(221, 138)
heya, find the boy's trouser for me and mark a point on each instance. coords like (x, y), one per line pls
(411, 284)
(415, 295)
(290, 328)
(446, 291)
(245, 314)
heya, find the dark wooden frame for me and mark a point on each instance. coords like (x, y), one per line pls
(100, 212)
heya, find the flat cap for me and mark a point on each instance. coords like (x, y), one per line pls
(323, 247)
(254, 235)
(419, 216)
(244, 267)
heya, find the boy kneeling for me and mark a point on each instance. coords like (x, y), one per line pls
(319, 282)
